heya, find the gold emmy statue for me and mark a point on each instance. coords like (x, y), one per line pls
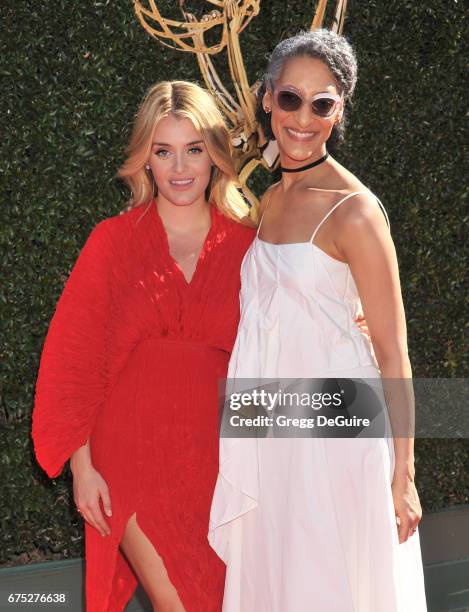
(251, 148)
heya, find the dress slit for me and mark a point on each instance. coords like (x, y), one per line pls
(116, 577)
(124, 578)
(169, 561)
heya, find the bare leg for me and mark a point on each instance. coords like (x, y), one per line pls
(150, 569)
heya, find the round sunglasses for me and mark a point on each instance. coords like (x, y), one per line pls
(322, 104)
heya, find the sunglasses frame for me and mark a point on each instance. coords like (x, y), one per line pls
(319, 96)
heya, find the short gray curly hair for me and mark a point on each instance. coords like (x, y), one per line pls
(332, 49)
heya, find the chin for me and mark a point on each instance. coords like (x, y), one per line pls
(181, 198)
(300, 151)
(182, 201)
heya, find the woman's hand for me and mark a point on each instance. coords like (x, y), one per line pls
(361, 322)
(88, 487)
(406, 506)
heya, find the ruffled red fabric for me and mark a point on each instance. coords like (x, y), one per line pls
(131, 361)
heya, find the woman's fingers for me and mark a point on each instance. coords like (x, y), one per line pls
(89, 518)
(407, 508)
(403, 530)
(89, 488)
(361, 322)
(104, 492)
(98, 519)
(93, 515)
(407, 523)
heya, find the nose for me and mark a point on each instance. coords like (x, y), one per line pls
(304, 115)
(179, 162)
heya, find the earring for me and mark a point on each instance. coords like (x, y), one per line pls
(267, 109)
(154, 186)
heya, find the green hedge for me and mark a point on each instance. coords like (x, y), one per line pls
(72, 75)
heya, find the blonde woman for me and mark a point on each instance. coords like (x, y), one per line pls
(127, 384)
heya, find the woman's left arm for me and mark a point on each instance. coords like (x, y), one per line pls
(365, 241)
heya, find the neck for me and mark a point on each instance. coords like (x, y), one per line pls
(183, 218)
(313, 175)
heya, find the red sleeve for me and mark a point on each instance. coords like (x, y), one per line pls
(71, 381)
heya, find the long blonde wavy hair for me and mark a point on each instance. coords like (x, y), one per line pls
(190, 101)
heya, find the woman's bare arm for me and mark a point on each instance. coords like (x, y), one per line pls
(366, 243)
(81, 457)
(88, 487)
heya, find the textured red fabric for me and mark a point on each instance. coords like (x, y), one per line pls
(131, 360)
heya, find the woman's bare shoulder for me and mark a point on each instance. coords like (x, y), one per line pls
(354, 199)
(270, 189)
(362, 207)
(266, 197)
(361, 218)
(252, 219)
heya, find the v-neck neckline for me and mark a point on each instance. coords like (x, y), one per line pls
(202, 255)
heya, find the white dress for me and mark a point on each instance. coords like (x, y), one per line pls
(308, 524)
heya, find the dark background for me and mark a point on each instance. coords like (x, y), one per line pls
(72, 75)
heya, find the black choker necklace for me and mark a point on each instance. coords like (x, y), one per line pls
(308, 166)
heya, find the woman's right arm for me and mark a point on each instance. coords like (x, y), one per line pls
(72, 378)
(88, 488)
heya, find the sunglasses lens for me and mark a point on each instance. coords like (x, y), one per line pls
(323, 106)
(288, 101)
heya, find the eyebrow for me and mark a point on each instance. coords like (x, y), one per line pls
(165, 144)
(320, 91)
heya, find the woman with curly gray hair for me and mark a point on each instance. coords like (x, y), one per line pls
(326, 522)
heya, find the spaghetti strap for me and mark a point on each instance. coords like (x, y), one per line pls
(343, 200)
(384, 211)
(265, 208)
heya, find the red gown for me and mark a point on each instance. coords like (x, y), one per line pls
(131, 361)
